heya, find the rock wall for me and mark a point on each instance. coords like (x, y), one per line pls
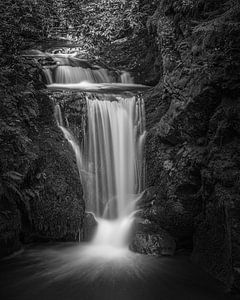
(58, 209)
(40, 191)
(193, 141)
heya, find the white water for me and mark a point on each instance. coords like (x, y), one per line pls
(48, 75)
(68, 74)
(111, 163)
(126, 78)
(69, 70)
(71, 139)
(113, 151)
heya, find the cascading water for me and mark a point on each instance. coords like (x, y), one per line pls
(126, 78)
(110, 163)
(68, 74)
(70, 137)
(48, 75)
(114, 155)
(70, 70)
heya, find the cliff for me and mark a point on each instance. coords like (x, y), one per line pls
(41, 195)
(193, 121)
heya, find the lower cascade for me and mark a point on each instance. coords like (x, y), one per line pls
(111, 164)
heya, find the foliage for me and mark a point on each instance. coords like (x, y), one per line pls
(19, 111)
(95, 24)
(98, 23)
(24, 22)
(25, 112)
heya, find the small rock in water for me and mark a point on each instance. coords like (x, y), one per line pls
(89, 227)
(156, 244)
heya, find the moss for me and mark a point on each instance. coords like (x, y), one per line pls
(46, 198)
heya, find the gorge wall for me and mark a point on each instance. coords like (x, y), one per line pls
(41, 195)
(193, 141)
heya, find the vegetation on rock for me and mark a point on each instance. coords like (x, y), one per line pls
(193, 139)
(35, 161)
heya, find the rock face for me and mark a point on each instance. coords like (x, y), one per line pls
(153, 244)
(10, 226)
(89, 227)
(40, 190)
(57, 211)
(151, 240)
(193, 144)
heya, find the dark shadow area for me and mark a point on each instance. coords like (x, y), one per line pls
(70, 271)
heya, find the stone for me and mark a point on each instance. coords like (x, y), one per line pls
(48, 196)
(10, 226)
(156, 244)
(192, 144)
(89, 227)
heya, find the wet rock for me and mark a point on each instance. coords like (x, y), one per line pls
(156, 244)
(57, 206)
(89, 227)
(10, 227)
(192, 145)
(45, 202)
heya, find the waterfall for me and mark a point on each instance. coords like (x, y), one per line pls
(70, 70)
(71, 139)
(114, 155)
(68, 74)
(126, 77)
(48, 75)
(111, 160)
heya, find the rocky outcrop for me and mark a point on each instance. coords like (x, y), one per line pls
(40, 190)
(192, 146)
(57, 211)
(10, 227)
(151, 240)
(89, 227)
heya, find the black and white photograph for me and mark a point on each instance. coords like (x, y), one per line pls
(120, 149)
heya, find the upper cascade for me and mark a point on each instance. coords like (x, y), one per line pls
(70, 69)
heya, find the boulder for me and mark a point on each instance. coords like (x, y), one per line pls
(156, 244)
(89, 227)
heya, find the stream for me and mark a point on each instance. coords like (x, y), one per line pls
(70, 271)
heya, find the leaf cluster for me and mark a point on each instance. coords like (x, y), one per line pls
(23, 23)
